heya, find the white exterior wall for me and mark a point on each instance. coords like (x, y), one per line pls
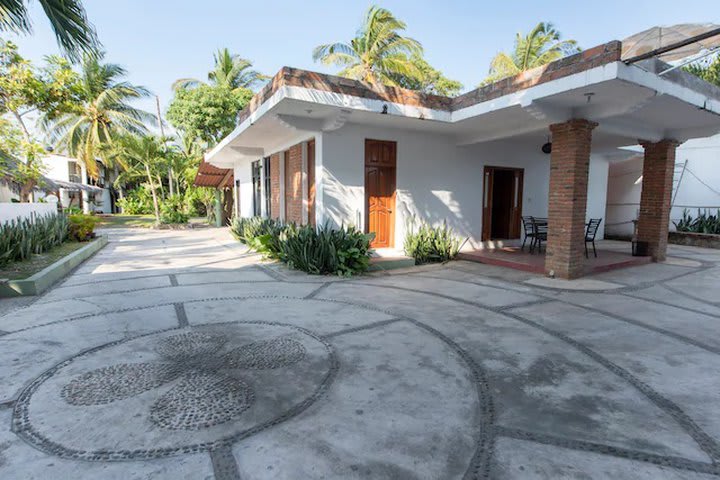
(243, 173)
(438, 181)
(625, 185)
(11, 211)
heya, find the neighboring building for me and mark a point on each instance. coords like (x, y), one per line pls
(76, 189)
(696, 186)
(314, 148)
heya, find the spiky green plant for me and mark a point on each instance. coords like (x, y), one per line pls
(431, 244)
(21, 238)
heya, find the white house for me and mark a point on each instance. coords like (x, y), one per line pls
(313, 148)
(75, 188)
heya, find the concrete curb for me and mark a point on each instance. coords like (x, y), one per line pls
(45, 278)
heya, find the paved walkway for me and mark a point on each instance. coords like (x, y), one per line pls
(178, 355)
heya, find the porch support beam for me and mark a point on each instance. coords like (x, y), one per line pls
(569, 167)
(655, 197)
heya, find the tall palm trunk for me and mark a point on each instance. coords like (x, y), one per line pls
(156, 207)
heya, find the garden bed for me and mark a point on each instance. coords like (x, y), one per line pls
(37, 274)
(705, 240)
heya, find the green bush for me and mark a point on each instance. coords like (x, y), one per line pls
(325, 250)
(82, 227)
(172, 210)
(136, 202)
(73, 211)
(431, 244)
(703, 223)
(21, 238)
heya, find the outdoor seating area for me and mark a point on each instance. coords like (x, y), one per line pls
(608, 255)
(536, 229)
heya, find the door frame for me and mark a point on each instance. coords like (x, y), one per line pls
(515, 230)
(391, 166)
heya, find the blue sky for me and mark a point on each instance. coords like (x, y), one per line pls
(159, 41)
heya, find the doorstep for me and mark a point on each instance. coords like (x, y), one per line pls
(383, 259)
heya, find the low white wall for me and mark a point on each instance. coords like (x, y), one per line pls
(11, 211)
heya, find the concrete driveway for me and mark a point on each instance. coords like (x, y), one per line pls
(178, 355)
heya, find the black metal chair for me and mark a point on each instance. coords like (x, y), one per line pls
(528, 231)
(590, 231)
(540, 229)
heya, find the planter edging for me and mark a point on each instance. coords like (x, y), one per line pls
(45, 278)
(705, 240)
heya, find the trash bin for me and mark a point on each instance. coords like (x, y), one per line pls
(640, 249)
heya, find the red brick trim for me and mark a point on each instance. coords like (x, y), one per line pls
(585, 60)
(275, 185)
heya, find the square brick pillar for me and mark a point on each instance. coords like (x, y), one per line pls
(567, 202)
(655, 197)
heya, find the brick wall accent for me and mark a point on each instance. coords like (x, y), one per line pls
(293, 184)
(275, 186)
(567, 204)
(655, 197)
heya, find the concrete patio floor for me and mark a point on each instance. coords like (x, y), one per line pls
(179, 355)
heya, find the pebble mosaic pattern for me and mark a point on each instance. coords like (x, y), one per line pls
(201, 400)
(196, 383)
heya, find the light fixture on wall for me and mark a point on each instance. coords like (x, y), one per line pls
(385, 108)
(547, 146)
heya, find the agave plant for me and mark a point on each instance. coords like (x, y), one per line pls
(431, 244)
(21, 238)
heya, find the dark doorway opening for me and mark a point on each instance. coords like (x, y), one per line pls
(502, 203)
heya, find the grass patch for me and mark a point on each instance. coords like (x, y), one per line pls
(126, 221)
(37, 262)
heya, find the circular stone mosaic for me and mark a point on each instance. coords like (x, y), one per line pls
(174, 391)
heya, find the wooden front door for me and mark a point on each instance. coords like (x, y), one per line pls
(380, 171)
(502, 203)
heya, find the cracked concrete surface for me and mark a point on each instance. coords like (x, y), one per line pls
(178, 354)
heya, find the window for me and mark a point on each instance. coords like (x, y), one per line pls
(257, 187)
(266, 173)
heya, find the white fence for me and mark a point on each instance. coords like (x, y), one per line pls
(11, 211)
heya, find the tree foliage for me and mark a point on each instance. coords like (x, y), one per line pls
(377, 54)
(230, 71)
(101, 114)
(26, 90)
(68, 20)
(708, 70)
(542, 45)
(428, 80)
(207, 113)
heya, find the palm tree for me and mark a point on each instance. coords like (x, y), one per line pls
(143, 157)
(231, 71)
(68, 20)
(377, 54)
(103, 114)
(539, 47)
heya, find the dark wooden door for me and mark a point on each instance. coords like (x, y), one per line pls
(311, 181)
(504, 185)
(380, 173)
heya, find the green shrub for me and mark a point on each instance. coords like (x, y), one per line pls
(703, 223)
(21, 238)
(82, 227)
(431, 244)
(172, 210)
(325, 250)
(73, 211)
(136, 202)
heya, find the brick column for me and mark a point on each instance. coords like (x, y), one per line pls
(567, 202)
(655, 198)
